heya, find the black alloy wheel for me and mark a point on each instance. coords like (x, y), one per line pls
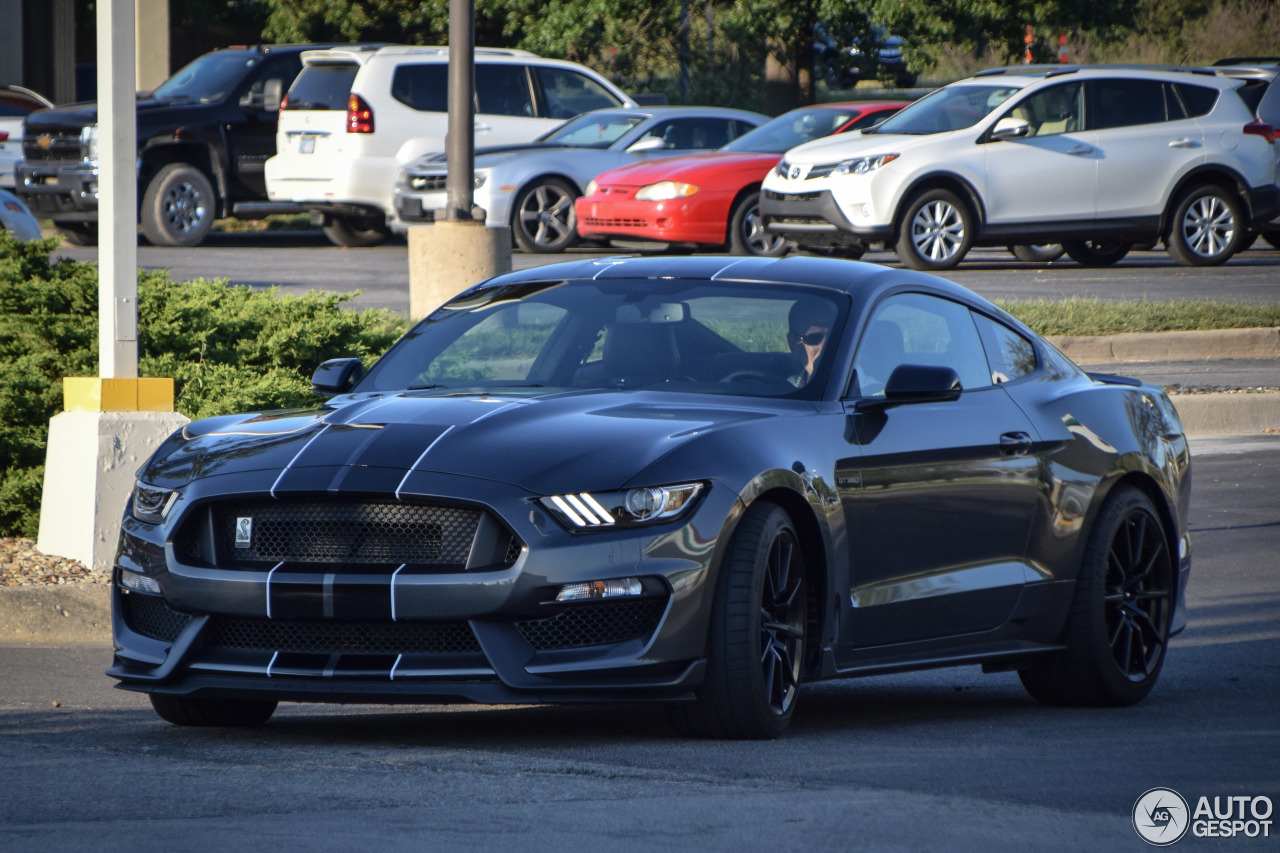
(747, 234)
(1120, 617)
(544, 219)
(1095, 253)
(757, 643)
(200, 711)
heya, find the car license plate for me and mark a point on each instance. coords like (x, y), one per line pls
(306, 144)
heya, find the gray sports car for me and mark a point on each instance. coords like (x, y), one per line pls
(532, 186)
(690, 480)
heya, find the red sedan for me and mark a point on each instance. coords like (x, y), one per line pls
(712, 199)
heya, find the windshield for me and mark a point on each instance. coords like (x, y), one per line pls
(758, 340)
(791, 129)
(593, 130)
(208, 78)
(950, 108)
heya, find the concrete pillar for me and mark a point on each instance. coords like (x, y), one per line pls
(152, 27)
(448, 257)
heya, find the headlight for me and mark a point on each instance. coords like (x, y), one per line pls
(597, 510)
(591, 187)
(863, 165)
(665, 191)
(151, 504)
(89, 138)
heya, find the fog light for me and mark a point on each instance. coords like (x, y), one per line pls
(138, 583)
(600, 589)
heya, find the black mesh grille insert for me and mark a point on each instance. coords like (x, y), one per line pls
(351, 533)
(150, 616)
(341, 637)
(593, 624)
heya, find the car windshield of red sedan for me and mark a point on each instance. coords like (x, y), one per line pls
(791, 129)
(668, 335)
(593, 130)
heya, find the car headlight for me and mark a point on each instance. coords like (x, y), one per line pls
(863, 165)
(591, 187)
(665, 191)
(151, 504)
(627, 508)
(89, 137)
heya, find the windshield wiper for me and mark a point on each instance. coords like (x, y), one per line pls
(423, 387)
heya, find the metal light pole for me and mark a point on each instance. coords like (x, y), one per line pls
(460, 143)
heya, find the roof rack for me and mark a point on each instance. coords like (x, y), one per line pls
(1056, 70)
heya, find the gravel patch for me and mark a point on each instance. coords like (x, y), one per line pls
(22, 565)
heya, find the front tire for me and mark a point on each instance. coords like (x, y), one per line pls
(544, 220)
(178, 206)
(200, 711)
(1093, 253)
(936, 232)
(1206, 227)
(1119, 623)
(354, 232)
(747, 234)
(757, 643)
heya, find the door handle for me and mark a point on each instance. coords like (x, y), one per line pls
(1080, 150)
(481, 127)
(1015, 444)
(1184, 142)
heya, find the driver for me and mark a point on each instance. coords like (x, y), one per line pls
(808, 326)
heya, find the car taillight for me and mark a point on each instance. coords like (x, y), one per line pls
(1261, 128)
(359, 115)
(4, 135)
(284, 102)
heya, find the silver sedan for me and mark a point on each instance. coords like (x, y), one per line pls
(532, 186)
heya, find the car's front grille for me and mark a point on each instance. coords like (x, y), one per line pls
(341, 637)
(616, 222)
(54, 145)
(375, 535)
(151, 616)
(593, 624)
(777, 196)
(428, 183)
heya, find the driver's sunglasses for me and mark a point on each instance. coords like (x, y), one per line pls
(811, 339)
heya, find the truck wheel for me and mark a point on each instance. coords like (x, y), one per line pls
(356, 232)
(178, 206)
(78, 233)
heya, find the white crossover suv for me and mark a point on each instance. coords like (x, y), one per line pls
(1094, 158)
(355, 114)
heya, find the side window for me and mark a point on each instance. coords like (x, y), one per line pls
(912, 328)
(568, 93)
(690, 134)
(423, 87)
(1199, 99)
(1057, 109)
(502, 347)
(1124, 103)
(1173, 104)
(1010, 355)
(868, 120)
(503, 90)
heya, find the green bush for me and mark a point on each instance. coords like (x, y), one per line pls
(227, 349)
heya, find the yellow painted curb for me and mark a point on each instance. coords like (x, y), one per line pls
(92, 394)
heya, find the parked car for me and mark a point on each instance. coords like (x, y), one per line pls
(694, 480)
(1261, 93)
(532, 187)
(354, 116)
(878, 54)
(712, 199)
(16, 103)
(203, 137)
(1095, 158)
(16, 219)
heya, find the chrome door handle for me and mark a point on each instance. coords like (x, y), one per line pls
(1080, 150)
(1015, 444)
(1184, 142)
(481, 127)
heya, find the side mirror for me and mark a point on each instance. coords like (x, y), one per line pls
(272, 93)
(649, 143)
(912, 384)
(337, 376)
(1010, 128)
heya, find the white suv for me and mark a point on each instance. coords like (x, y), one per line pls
(353, 115)
(1094, 158)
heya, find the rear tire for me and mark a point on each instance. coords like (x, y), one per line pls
(1037, 253)
(354, 232)
(1119, 623)
(747, 234)
(1272, 237)
(756, 647)
(1206, 228)
(200, 711)
(1094, 253)
(178, 206)
(935, 233)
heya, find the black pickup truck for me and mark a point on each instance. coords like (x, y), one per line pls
(203, 138)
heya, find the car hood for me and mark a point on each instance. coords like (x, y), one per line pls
(834, 148)
(544, 443)
(689, 167)
(492, 155)
(86, 112)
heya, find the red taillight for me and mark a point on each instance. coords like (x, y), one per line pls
(284, 102)
(1261, 128)
(4, 135)
(359, 115)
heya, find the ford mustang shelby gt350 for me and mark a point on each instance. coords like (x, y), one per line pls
(701, 481)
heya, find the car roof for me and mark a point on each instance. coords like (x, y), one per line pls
(363, 53)
(1025, 75)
